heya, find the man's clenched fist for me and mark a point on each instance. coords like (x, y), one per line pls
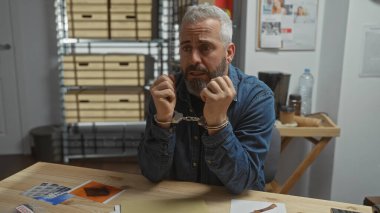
(163, 94)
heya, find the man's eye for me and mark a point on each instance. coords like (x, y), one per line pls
(186, 49)
(205, 48)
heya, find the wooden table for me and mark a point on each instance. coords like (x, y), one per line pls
(319, 136)
(138, 188)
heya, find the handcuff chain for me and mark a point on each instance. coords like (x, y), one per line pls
(201, 121)
(189, 118)
(178, 117)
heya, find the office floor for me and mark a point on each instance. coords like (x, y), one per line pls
(10, 164)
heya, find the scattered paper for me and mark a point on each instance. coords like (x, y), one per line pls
(167, 206)
(49, 192)
(248, 206)
(96, 191)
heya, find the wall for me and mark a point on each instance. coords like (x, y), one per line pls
(292, 62)
(330, 76)
(36, 57)
(356, 170)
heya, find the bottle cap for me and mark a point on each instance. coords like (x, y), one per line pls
(295, 97)
(307, 70)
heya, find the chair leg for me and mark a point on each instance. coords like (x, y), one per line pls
(272, 187)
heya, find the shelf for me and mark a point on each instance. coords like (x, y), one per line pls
(71, 41)
(327, 129)
(84, 88)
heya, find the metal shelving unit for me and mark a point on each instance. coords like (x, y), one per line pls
(83, 139)
(102, 138)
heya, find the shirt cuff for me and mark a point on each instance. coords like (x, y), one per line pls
(216, 140)
(159, 132)
(164, 137)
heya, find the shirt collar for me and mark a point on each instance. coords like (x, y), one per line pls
(232, 73)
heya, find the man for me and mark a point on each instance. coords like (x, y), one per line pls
(228, 144)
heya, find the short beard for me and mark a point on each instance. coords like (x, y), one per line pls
(195, 86)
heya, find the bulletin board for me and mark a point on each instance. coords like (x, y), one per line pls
(287, 24)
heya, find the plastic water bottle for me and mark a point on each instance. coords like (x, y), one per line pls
(305, 89)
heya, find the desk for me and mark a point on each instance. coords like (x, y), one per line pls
(325, 133)
(139, 188)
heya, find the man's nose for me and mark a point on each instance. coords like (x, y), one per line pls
(195, 57)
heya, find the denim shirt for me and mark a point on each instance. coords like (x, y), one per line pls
(233, 157)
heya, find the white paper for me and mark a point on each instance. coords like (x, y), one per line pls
(271, 32)
(304, 25)
(117, 209)
(249, 206)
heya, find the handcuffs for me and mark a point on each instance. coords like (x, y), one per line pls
(201, 121)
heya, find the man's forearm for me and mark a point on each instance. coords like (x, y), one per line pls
(153, 165)
(231, 162)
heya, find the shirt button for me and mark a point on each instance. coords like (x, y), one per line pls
(195, 164)
(195, 137)
(208, 161)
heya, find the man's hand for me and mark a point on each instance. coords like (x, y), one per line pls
(217, 96)
(163, 94)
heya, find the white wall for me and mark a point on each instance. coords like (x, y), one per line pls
(328, 89)
(292, 62)
(356, 171)
(36, 57)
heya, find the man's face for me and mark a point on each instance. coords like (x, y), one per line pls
(195, 85)
(202, 54)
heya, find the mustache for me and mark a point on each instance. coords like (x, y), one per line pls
(197, 68)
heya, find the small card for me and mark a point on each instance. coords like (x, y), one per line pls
(24, 208)
(96, 191)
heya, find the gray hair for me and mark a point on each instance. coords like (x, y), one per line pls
(201, 12)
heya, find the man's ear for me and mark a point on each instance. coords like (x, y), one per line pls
(230, 53)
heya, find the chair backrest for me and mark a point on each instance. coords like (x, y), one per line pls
(272, 159)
